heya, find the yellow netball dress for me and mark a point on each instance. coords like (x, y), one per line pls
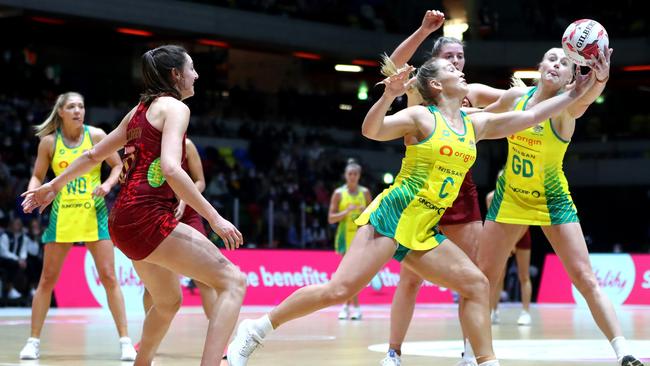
(427, 184)
(76, 216)
(533, 189)
(347, 228)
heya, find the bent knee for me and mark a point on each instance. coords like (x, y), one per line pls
(238, 283)
(170, 304)
(107, 278)
(48, 281)
(234, 281)
(410, 283)
(585, 282)
(475, 285)
(336, 294)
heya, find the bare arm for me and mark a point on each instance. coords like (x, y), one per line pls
(194, 163)
(377, 126)
(196, 173)
(488, 199)
(42, 164)
(176, 119)
(368, 196)
(113, 160)
(177, 116)
(507, 100)
(432, 21)
(481, 95)
(600, 66)
(498, 125)
(334, 214)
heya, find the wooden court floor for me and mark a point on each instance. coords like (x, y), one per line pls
(560, 336)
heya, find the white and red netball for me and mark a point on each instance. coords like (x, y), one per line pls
(584, 38)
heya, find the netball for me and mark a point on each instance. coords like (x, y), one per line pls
(583, 39)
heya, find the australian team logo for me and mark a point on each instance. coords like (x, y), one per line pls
(447, 150)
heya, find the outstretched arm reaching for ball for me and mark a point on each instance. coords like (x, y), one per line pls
(432, 21)
(43, 195)
(600, 67)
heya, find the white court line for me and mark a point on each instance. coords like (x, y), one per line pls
(534, 349)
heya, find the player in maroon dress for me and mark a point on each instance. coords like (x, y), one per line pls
(187, 215)
(142, 222)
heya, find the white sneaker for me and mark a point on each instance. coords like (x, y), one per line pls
(494, 316)
(391, 359)
(524, 318)
(466, 362)
(127, 349)
(356, 314)
(244, 344)
(31, 349)
(344, 313)
(13, 294)
(630, 361)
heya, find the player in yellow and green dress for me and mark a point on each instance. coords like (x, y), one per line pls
(402, 222)
(534, 191)
(346, 204)
(78, 214)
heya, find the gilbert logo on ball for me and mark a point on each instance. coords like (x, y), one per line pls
(583, 39)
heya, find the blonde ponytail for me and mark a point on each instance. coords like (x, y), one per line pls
(517, 82)
(388, 69)
(54, 121)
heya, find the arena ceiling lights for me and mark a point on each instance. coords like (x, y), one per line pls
(348, 68)
(213, 43)
(527, 74)
(134, 32)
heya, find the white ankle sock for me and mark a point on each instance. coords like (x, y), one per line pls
(468, 354)
(490, 363)
(619, 344)
(263, 325)
(125, 340)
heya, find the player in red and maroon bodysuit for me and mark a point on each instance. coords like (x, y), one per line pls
(187, 215)
(142, 222)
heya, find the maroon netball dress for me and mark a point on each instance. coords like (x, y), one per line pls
(143, 214)
(525, 243)
(190, 216)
